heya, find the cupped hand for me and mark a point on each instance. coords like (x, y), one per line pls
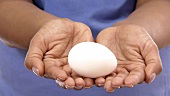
(49, 48)
(137, 55)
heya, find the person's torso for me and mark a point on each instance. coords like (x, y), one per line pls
(97, 14)
(16, 80)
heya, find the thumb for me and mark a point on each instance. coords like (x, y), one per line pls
(34, 57)
(153, 63)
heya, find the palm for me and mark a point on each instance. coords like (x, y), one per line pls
(133, 49)
(58, 48)
(49, 50)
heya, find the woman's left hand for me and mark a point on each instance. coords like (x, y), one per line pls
(137, 55)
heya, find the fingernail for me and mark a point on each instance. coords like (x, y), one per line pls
(88, 86)
(116, 86)
(100, 85)
(36, 71)
(60, 78)
(110, 90)
(79, 87)
(152, 77)
(69, 87)
(130, 86)
(60, 83)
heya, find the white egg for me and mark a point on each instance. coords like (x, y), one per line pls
(90, 59)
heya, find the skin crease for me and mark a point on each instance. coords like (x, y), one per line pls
(135, 63)
(141, 41)
(54, 51)
(136, 52)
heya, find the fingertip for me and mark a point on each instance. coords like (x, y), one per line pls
(88, 82)
(69, 83)
(40, 67)
(117, 82)
(62, 75)
(153, 62)
(128, 83)
(55, 72)
(151, 71)
(100, 81)
(60, 83)
(151, 78)
(35, 71)
(80, 83)
(35, 65)
(133, 80)
(108, 87)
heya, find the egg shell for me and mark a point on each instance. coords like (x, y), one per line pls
(93, 60)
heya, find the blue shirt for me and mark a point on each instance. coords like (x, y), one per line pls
(16, 80)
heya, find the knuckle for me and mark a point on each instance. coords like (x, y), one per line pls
(81, 26)
(66, 20)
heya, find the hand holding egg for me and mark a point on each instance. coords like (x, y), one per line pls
(90, 59)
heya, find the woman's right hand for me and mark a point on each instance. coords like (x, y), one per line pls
(48, 51)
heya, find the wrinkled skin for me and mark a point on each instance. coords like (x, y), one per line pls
(49, 48)
(137, 55)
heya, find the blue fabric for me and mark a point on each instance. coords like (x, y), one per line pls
(97, 14)
(16, 80)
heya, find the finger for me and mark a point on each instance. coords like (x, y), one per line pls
(47, 76)
(153, 68)
(55, 72)
(108, 86)
(118, 80)
(69, 83)
(60, 83)
(136, 76)
(88, 82)
(80, 83)
(58, 62)
(100, 81)
(67, 69)
(33, 60)
(152, 60)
